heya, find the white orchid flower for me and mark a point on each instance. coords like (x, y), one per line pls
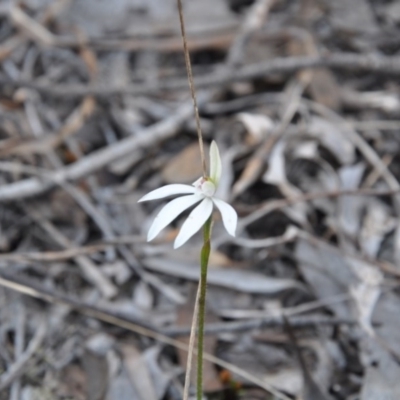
(203, 191)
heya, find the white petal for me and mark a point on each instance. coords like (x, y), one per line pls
(166, 191)
(229, 216)
(170, 212)
(194, 222)
(215, 163)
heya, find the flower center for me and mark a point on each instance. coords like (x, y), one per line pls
(205, 186)
(208, 188)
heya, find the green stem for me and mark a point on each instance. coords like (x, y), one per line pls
(205, 255)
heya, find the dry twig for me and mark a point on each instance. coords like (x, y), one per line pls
(89, 269)
(286, 65)
(28, 288)
(18, 367)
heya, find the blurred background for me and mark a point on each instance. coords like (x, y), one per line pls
(302, 98)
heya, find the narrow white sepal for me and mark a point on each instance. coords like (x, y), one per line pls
(170, 212)
(168, 190)
(215, 163)
(229, 215)
(194, 222)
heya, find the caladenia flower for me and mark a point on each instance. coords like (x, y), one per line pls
(202, 191)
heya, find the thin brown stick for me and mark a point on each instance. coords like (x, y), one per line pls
(192, 338)
(192, 88)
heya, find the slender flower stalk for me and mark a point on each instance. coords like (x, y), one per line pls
(203, 191)
(205, 256)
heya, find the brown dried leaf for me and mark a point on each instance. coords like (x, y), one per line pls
(324, 88)
(73, 383)
(186, 166)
